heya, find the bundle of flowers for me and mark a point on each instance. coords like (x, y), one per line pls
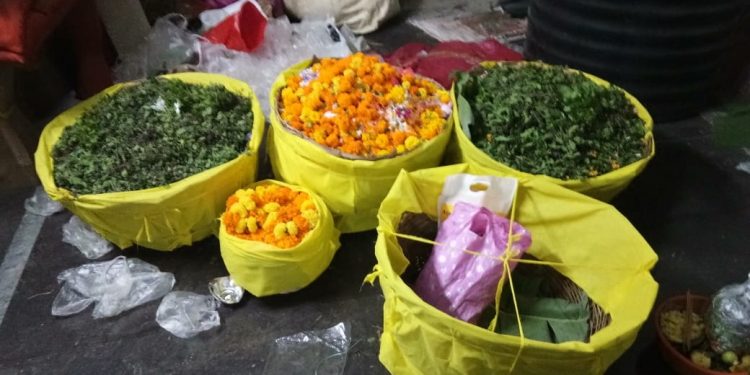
(274, 214)
(360, 107)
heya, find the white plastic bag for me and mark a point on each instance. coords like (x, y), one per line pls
(41, 204)
(285, 44)
(491, 192)
(186, 314)
(115, 286)
(310, 352)
(168, 45)
(80, 235)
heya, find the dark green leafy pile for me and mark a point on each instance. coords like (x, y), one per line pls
(548, 121)
(543, 318)
(151, 134)
(547, 310)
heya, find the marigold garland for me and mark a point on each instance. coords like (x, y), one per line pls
(276, 215)
(362, 106)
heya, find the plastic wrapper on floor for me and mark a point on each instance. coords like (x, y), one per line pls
(80, 235)
(186, 314)
(115, 286)
(310, 352)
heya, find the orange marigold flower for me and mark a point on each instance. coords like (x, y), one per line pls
(382, 141)
(344, 100)
(282, 217)
(359, 104)
(398, 138)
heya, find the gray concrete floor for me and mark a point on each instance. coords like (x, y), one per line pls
(690, 204)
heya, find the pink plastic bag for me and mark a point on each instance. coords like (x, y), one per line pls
(462, 284)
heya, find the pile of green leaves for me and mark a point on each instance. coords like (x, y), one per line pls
(544, 315)
(544, 318)
(548, 121)
(151, 134)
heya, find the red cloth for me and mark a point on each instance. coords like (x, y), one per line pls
(25, 24)
(439, 62)
(243, 31)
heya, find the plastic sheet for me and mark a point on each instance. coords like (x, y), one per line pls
(728, 319)
(171, 47)
(80, 235)
(310, 352)
(41, 204)
(167, 46)
(285, 44)
(116, 285)
(186, 314)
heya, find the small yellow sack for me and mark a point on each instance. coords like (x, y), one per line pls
(603, 187)
(164, 217)
(601, 252)
(264, 269)
(352, 189)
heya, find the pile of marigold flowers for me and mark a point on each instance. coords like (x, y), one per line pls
(276, 215)
(364, 107)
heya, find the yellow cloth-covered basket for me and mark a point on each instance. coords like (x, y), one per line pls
(164, 217)
(603, 187)
(586, 240)
(263, 269)
(352, 189)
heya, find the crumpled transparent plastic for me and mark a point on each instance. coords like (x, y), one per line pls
(115, 286)
(285, 44)
(80, 235)
(728, 319)
(310, 352)
(168, 46)
(41, 204)
(186, 314)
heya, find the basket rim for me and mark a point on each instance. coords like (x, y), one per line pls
(252, 146)
(643, 114)
(276, 107)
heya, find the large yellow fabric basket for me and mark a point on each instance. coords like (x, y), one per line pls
(586, 240)
(352, 189)
(164, 217)
(603, 187)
